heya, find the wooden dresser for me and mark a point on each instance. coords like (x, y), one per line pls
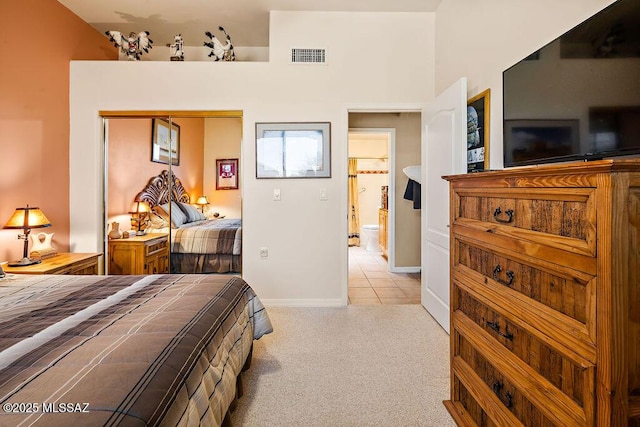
(148, 254)
(383, 231)
(62, 263)
(545, 296)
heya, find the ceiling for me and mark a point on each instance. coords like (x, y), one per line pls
(246, 21)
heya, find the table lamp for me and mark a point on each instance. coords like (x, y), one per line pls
(202, 202)
(26, 218)
(139, 210)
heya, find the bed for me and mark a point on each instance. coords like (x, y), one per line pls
(198, 244)
(124, 350)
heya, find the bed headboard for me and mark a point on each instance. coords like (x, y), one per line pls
(158, 189)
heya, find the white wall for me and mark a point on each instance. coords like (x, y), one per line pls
(479, 40)
(382, 61)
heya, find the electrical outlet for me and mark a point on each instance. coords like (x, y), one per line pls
(264, 252)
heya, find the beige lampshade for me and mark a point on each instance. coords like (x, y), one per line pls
(202, 200)
(139, 207)
(28, 218)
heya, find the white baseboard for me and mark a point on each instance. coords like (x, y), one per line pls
(405, 270)
(333, 302)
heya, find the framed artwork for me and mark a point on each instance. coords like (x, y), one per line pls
(165, 142)
(226, 174)
(478, 132)
(293, 150)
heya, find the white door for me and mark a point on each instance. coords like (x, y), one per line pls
(444, 153)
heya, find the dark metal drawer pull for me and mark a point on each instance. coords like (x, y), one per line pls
(497, 388)
(494, 325)
(510, 274)
(508, 213)
(509, 402)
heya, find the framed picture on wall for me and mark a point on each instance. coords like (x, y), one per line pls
(478, 132)
(226, 174)
(293, 150)
(165, 142)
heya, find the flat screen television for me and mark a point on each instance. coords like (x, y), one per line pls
(578, 97)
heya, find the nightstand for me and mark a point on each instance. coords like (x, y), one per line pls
(63, 263)
(147, 254)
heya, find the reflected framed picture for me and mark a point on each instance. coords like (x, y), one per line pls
(226, 174)
(293, 150)
(478, 132)
(165, 142)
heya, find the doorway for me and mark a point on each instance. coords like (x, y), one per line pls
(382, 144)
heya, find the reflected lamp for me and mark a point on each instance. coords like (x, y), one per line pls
(202, 202)
(26, 219)
(138, 211)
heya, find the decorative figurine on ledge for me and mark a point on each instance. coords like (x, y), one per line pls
(132, 46)
(177, 48)
(221, 52)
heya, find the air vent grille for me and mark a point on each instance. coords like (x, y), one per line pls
(308, 56)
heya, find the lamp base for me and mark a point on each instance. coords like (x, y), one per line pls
(24, 262)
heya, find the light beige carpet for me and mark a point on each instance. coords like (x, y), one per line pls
(351, 366)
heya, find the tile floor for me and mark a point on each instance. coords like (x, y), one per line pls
(371, 283)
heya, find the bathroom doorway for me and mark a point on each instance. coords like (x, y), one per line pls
(372, 279)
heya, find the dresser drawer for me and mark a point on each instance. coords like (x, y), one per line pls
(504, 386)
(560, 217)
(156, 246)
(466, 411)
(569, 374)
(567, 294)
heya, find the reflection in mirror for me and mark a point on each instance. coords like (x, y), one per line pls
(178, 235)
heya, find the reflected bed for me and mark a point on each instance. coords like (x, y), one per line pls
(198, 245)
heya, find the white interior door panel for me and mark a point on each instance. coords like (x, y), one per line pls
(444, 153)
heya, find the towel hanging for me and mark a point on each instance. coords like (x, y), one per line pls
(413, 193)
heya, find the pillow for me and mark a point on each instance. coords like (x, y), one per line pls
(177, 216)
(159, 211)
(192, 212)
(183, 209)
(158, 221)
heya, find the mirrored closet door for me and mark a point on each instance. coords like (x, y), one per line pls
(172, 192)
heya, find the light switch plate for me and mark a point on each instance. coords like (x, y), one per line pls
(276, 194)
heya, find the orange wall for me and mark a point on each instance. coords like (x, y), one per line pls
(40, 37)
(223, 137)
(130, 165)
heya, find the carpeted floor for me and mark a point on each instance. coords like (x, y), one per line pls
(351, 366)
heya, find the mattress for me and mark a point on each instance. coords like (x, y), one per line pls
(124, 350)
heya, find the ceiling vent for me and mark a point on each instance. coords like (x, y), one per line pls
(308, 56)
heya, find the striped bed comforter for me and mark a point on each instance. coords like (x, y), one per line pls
(214, 236)
(124, 350)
